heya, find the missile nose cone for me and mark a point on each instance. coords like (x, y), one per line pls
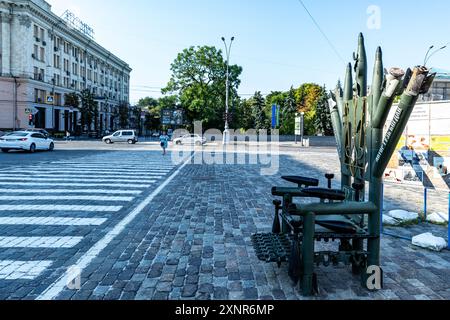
(361, 37)
(379, 54)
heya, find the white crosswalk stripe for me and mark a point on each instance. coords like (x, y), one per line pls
(75, 174)
(79, 179)
(58, 184)
(109, 168)
(39, 242)
(23, 270)
(55, 207)
(64, 194)
(49, 221)
(47, 197)
(82, 191)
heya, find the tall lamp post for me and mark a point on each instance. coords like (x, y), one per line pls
(226, 133)
(428, 55)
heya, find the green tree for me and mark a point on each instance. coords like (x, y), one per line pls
(288, 112)
(147, 103)
(71, 100)
(243, 118)
(88, 109)
(274, 98)
(260, 119)
(307, 96)
(123, 115)
(323, 116)
(199, 79)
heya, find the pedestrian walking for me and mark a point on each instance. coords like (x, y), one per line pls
(164, 141)
(67, 135)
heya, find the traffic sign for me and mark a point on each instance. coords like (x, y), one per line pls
(50, 99)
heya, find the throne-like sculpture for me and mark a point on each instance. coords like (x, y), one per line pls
(346, 215)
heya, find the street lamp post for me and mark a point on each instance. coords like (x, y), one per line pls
(302, 126)
(428, 56)
(226, 133)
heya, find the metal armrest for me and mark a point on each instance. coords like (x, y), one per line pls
(342, 208)
(325, 194)
(302, 181)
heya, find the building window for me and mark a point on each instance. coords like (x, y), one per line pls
(39, 95)
(66, 65)
(42, 34)
(57, 61)
(36, 52)
(36, 31)
(57, 79)
(36, 73)
(42, 57)
(58, 100)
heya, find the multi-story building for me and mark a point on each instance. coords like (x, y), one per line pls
(42, 58)
(440, 91)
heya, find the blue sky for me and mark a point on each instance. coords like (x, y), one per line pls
(277, 44)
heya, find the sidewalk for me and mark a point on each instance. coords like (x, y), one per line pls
(193, 242)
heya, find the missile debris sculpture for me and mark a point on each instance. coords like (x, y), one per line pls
(346, 215)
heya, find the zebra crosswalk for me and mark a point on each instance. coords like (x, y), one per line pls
(74, 194)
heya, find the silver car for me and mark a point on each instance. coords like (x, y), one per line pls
(190, 139)
(128, 136)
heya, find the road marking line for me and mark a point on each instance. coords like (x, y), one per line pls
(111, 185)
(78, 170)
(65, 175)
(49, 221)
(79, 180)
(110, 169)
(53, 207)
(41, 197)
(39, 242)
(53, 191)
(22, 270)
(55, 289)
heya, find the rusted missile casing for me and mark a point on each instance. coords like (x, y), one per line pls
(393, 86)
(417, 85)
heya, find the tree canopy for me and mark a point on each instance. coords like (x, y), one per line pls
(199, 80)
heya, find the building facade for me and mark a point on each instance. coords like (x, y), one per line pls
(42, 58)
(440, 90)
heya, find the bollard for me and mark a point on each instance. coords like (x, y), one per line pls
(425, 203)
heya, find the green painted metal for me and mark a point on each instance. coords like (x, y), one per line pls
(358, 118)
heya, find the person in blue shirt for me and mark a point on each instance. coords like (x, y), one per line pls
(164, 141)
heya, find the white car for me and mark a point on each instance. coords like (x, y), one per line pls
(28, 141)
(122, 136)
(190, 139)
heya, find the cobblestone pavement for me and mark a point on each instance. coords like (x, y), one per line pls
(192, 242)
